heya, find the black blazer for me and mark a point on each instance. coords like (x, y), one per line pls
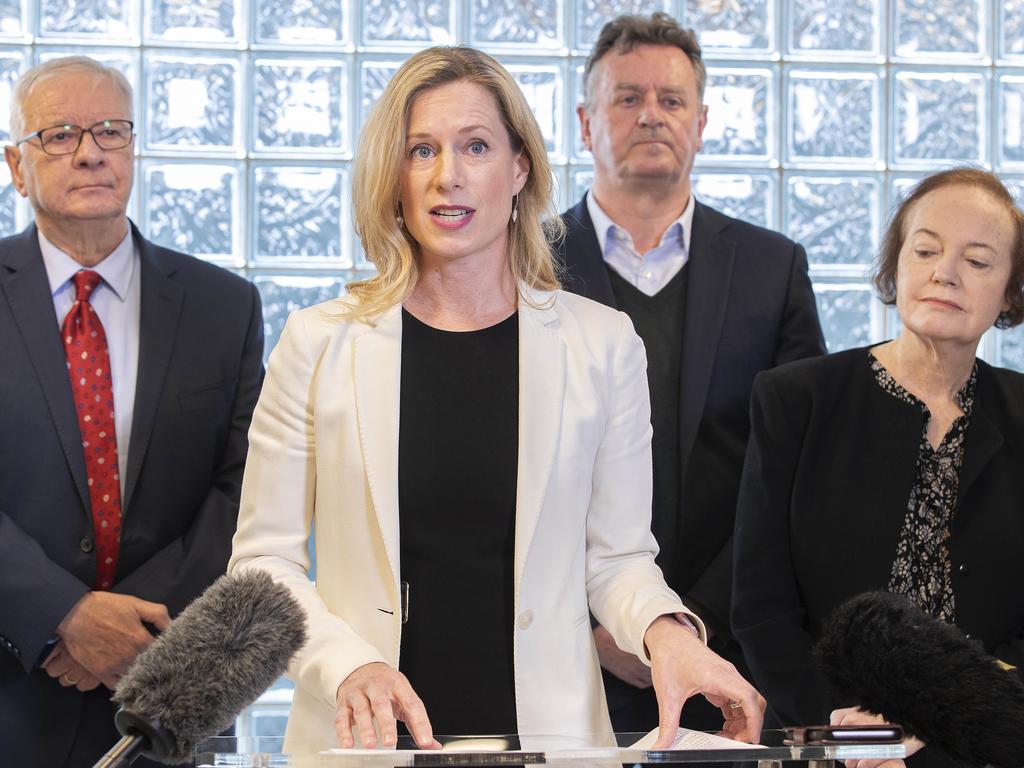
(749, 306)
(829, 471)
(200, 371)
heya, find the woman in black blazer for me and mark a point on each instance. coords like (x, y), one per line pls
(896, 467)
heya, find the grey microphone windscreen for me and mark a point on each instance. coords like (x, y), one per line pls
(224, 650)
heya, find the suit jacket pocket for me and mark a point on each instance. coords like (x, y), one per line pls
(212, 398)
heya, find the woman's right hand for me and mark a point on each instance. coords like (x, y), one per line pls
(379, 692)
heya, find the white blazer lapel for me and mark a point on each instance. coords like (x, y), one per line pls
(377, 359)
(541, 388)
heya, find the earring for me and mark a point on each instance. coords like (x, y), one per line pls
(399, 219)
(515, 208)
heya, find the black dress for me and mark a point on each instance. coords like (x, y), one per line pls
(457, 467)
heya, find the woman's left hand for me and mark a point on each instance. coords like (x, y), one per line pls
(856, 716)
(681, 666)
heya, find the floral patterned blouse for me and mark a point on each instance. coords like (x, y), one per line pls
(922, 569)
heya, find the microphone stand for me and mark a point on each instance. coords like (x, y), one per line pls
(124, 752)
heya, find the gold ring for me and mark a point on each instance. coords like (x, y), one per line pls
(735, 705)
(67, 680)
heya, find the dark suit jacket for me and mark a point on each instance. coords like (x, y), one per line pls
(749, 306)
(828, 475)
(200, 370)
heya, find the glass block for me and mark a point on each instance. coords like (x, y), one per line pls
(375, 76)
(1010, 348)
(582, 179)
(1010, 98)
(578, 150)
(427, 22)
(8, 203)
(1011, 28)
(11, 65)
(845, 311)
(939, 118)
(746, 196)
(112, 21)
(835, 219)
(304, 22)
(741, 114)
(526, 24)
(833, 116)
(298, 214)
(591, 15)
(13, 18)
(193, 21)
(283, 294)
(193, 208)
(728, 25)
(299, 105)
(835, 26)
(939, 28)
(543, 87)
(194, 102)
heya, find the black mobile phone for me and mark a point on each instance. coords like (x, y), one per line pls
(884, 733)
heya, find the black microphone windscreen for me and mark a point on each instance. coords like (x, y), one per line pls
(889, 657)
(224, 650)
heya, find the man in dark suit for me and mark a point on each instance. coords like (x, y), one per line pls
(130, 373)
(715, 300)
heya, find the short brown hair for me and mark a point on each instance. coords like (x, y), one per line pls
(892, 243)
(624, 33)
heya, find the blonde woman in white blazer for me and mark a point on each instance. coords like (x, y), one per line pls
(450, 184)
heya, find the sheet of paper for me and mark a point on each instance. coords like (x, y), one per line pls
(689, 739)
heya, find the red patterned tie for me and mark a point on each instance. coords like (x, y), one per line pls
(85, 344)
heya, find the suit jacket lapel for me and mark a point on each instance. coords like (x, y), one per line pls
(541, 391)
(587, 274)
(377, 377)
(23, 280)
(160, 302)
(710, 267)
(983, 440)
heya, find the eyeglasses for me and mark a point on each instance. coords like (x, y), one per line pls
(66, 139)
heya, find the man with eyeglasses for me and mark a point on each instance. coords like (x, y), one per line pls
(128, 375)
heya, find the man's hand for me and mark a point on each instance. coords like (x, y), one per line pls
(67, 671)
(103, 632)
(378, 692)
(625, 666)
(856, 716)
(681, 666)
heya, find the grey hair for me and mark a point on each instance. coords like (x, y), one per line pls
(53, 68)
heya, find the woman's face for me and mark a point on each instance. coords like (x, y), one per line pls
(955, 264)
(459, 175)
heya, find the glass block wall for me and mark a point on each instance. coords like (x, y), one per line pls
(820, 113)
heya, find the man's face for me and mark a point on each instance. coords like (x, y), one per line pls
(645, 117)
(90, 185)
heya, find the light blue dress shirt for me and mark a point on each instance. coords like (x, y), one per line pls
(651, 271)
(117, 301)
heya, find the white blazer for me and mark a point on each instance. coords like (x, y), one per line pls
(323, 456)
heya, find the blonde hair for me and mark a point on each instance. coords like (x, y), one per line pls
(377, 175)
(48, 69)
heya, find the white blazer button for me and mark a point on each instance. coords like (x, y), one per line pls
(525, 619)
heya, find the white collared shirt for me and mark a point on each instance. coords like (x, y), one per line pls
(117, 301)
(652, 271)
